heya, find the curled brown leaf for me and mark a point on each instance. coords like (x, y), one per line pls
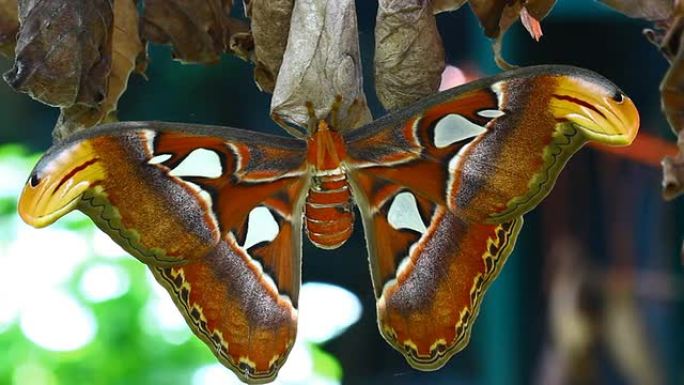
(446, 5)
(9, 26)
(672, 88)
(270, 24)
(321, 67)
(497, 16)
(668, 36)
(126, 47)
(673, 172)
(643, 9)
(61, 50)
(672, 99)
(489, 12)
(409, 56)
(198, 30)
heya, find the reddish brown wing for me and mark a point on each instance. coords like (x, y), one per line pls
(214, 212)
(443, 185)
(231, 300)
(430, 268)
(491, 150)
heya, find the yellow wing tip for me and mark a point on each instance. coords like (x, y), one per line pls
(58, 182)
(623, 128)
(600, 111)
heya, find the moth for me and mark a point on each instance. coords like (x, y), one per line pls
(441, 188)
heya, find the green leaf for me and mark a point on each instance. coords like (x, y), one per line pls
(12, 151)
(8, 206)
(325, 364)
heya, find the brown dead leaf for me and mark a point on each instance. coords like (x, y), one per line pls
(497, 16)
(198, 30)
(533, 11)
(672, 99)
(270, 28)
(652, 10)
(668, 36)
(673, 172)
(242, 45)
(59, 54)
(672, 86)
(409, 56)
(489, 13)
(126, 47)
(446, 5)
(321, 67)
(9, 26)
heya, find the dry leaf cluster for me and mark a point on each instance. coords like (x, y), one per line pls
(198, 30)
(126, 48)
(78, 55)
(667, 35)
(9, 26)
(409, 56)
(497, 16)
(321, 67)
(62, 51)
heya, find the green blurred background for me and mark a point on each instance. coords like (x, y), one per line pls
(593, 294)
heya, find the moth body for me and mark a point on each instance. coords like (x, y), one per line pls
(329, 214)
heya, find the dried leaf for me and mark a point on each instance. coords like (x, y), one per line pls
(242, 45)
(198, 30)
(125, 50)
(270, 28)
(672, 94)
(672, 89)
(409, 56)
(539, 9)
(321, 67)
(9, 26)
(496, 16)
(644, 9)
(439, 6)
(59, 54)
(489, 13)
(532, 10)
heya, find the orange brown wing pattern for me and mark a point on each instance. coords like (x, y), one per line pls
(230, 304)
(223, 236)
(122, 176)
(430, 269)
(491, 150)
(428, 311)
(442, 187)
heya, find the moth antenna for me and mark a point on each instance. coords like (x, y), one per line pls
(334, 112)
(313, 120)
(354, 110)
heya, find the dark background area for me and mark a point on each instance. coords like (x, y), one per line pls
(609, 207)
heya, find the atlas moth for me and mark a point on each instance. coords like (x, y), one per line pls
(441, 187)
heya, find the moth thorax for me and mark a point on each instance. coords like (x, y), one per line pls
(329, 213)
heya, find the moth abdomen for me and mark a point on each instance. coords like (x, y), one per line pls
(329, 213)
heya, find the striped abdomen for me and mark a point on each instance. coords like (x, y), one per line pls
(329, 213)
